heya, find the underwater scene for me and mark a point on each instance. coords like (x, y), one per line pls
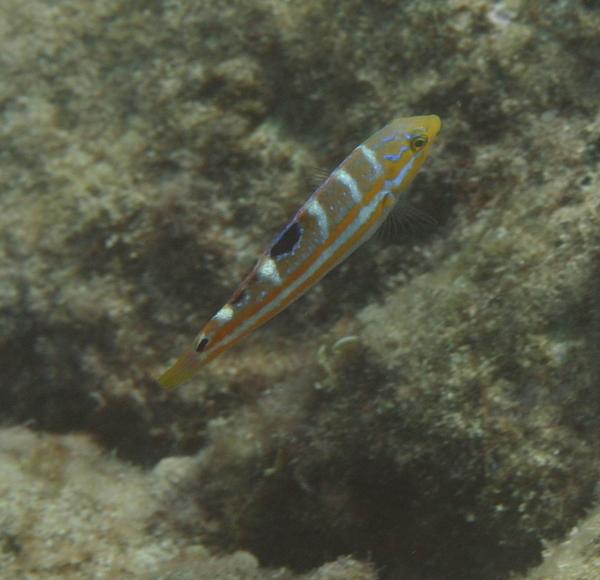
(300, 290)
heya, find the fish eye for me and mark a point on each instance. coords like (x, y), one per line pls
(418, 142)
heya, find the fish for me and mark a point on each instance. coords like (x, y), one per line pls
(339, 216)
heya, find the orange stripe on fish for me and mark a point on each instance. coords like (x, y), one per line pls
(343, 213)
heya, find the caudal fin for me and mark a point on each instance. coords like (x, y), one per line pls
(182, 371)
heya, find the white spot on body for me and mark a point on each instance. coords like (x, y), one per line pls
(315, 209)
(268, 272)
(349, 181)
(224, 315)
(372, 159)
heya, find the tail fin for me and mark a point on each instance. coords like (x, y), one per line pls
(182, 371)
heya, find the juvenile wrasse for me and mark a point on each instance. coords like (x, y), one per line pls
(343, 213)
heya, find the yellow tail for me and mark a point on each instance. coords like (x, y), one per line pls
(182, 371)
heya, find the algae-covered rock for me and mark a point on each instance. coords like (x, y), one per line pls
(430, 407)
(575, 557)
(69, 510)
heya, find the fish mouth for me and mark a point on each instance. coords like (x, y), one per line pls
(431, 123)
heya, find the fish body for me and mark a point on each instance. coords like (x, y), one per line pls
(341, 214)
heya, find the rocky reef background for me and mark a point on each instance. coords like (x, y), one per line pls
(430, 410)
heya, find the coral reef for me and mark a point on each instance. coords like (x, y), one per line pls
(431, 407)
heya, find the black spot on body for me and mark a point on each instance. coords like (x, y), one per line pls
(202, 345)
(287, 240)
